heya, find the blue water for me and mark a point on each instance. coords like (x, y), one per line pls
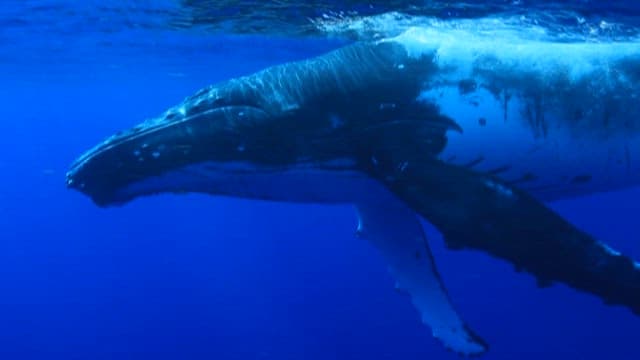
(197, 277)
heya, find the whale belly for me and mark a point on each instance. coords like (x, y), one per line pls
(532, 148)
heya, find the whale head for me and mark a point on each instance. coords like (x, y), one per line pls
(315, 113)
(222, 130)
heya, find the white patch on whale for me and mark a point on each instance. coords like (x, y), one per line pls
(553, 165)
(555, 160)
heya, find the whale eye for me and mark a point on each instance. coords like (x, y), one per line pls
(219, 101)
(171, 116)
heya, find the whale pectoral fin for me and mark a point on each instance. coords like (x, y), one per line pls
(396, 232)
(478, 211)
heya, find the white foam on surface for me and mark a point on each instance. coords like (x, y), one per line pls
(462, 47)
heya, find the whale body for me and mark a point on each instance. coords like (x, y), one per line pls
(470, 135)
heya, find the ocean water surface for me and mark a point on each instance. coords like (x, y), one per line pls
(201, 277)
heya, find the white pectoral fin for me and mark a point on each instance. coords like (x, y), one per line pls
(396, 231)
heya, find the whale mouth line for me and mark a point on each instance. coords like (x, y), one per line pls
(145, 129)
(290, 183)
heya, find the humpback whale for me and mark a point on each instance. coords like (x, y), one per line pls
(472, 136)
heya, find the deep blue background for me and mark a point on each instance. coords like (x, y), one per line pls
(197, 277)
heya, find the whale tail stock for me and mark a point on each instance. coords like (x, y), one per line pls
(478, 211)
